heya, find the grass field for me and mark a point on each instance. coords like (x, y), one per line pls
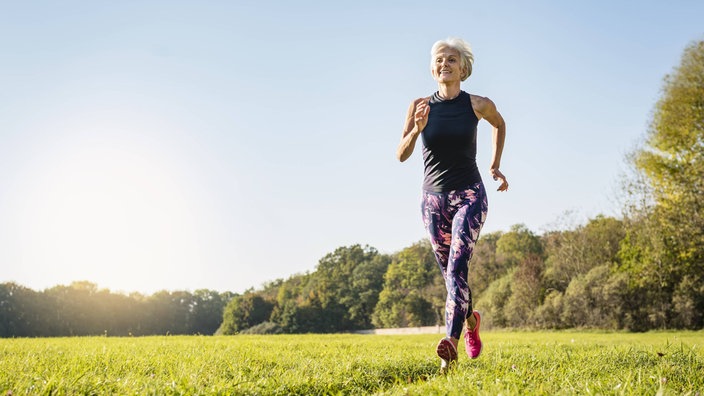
(512, 363)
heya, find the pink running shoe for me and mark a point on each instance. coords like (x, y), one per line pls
(447, 351)
(472, 342)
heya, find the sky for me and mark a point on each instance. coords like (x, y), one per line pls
(183, 145)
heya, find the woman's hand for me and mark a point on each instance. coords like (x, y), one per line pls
(421, 115)
(416, 120)
(496, 174)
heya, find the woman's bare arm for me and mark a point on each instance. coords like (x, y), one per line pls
(487, 110)
(416, 119)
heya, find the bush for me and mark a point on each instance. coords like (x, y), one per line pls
(493, 300)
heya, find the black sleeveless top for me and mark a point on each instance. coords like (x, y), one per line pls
(450, 145)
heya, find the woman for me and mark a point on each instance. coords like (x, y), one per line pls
(454, 200)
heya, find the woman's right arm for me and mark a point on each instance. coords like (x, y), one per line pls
(416, 119)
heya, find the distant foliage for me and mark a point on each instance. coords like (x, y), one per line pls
(575, 252)
(663, 251)
(82, 309)
(340, 295)
(245, 311)
(414, 292)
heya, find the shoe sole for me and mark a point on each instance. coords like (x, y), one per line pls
(446, 350)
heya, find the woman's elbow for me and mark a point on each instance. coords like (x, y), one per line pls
(401, 156)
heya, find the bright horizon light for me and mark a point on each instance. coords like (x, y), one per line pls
(105, 202)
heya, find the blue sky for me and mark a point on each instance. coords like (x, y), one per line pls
(182, 145)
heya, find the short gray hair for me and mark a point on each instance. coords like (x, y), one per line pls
(459, 45)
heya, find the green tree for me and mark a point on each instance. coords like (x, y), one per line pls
(516, 245)
(549, 313)
(574, 252)
(346, 287)
(367, 283)
(494, 299)
(245, 311)
(78, 309)
(485, 266)
(664, 247)
(414, 293)
(595, 300)
(526, 292)
(206, 311)
(168, 312)
(24, 312)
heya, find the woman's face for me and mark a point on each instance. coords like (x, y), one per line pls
(446, 65)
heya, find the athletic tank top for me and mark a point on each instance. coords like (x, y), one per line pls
(450, 144)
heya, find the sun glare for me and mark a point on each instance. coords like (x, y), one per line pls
(111, 209)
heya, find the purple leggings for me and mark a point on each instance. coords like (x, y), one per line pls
(453, 221)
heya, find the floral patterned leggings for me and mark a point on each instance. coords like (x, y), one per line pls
(453, 221)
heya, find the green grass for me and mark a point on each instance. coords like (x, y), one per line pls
(512, 363)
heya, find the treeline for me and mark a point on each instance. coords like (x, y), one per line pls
(579, 278)
(82, 309)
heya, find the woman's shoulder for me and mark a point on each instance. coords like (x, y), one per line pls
(480, 102)
(478, 98)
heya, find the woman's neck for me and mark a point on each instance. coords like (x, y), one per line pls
(448, 91)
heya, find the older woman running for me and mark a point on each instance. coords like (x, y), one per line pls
(454, 204)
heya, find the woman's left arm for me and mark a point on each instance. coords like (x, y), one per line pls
(487, 109)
